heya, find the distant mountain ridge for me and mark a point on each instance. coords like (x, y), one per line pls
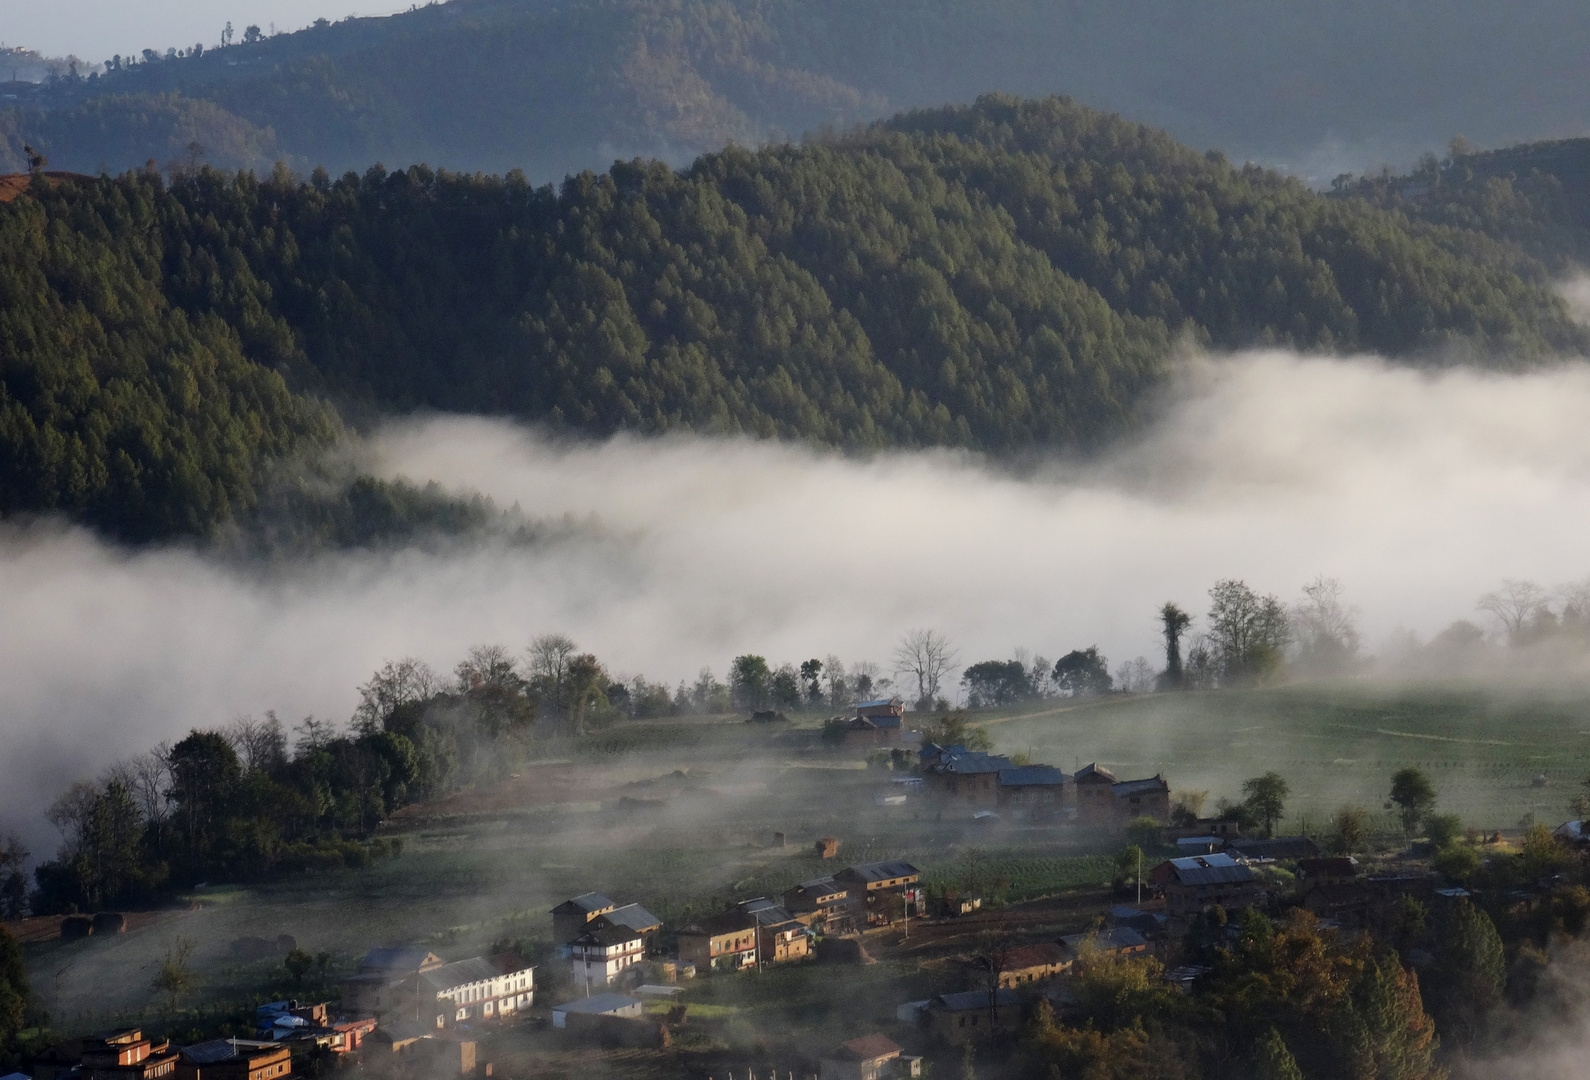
(1006, 277)
(554, 88)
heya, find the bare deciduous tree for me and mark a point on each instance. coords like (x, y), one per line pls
(928, 656)
(260, 744)
(1324, 627)
(397, 683)
(488, 666)
(1513, 605)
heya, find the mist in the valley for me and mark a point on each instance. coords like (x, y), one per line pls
(1417, 490)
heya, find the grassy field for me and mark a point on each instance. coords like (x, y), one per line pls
(1335, 745)
(681, 815)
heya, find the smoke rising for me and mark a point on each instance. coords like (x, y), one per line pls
(1418, 490)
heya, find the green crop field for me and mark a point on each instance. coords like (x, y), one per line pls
(1482, 747)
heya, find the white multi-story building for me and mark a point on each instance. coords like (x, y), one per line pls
(600, 955)
(476, 989)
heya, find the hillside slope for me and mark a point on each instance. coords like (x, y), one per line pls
(999, 277)
(556, 87)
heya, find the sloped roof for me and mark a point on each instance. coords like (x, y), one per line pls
(823, 886)
(1217, 869)
(868, 1048)
(633, 916)
(1088, 772)
(460, 973)
(1034, 775)
(1043, 954)
(976, 999)
(609, 934)
(1137, 787)
(879, 703)
(883, 871)
(1340, 864)
(588, 902)
(598, 1004)
(970, 763)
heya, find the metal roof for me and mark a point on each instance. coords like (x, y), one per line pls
(588, 902)
(878, 703)
(1192, 862)
(1213, 875)
(868, 1048)
(1095, 769)
(977, 999)
(1132, 787)
(971, 763)
(1023, 775)
(633, 916)
(882, 871)
(598, 1004)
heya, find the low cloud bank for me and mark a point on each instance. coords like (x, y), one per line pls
(1418, 491)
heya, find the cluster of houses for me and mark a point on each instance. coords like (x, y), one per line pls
(1093, 797)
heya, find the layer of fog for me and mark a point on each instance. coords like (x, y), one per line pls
(1418, 491)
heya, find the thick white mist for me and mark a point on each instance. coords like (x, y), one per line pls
(1418, 491)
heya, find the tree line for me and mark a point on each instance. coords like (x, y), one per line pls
(1001, 276)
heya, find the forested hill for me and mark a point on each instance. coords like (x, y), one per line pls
(1003, 276)
(553, 86)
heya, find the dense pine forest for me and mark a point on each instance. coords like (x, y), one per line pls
(556, 87)
(1010, 275)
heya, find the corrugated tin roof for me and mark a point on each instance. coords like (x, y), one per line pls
(633, 916)
(879, 703)
(977, 999)
(1214, 875)
(1135, 787)
(598, 1004)
(971, 763)
(882, 871)
(588, 902)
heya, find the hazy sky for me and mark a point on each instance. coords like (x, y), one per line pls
(96, 29)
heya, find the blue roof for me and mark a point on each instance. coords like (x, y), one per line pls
(971, 763)
(878, 703)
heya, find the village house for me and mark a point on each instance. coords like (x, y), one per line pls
(1034, 792)
(865, 733)
(475, 989)
(631, 917)
(1107, 803)
(781, 937)
(1116, 941)
(821, 904)
(602, 953)
(1030, 964)
(891, 708)
(967, 779)
(386, 981)
(881, 891)
(974, 1016)
(871, 1057)
(569, 918)
(290, 1021)
(1200, 882)
(1327, 871)
(126, 1055)
(235, 1059)
(726, 942)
